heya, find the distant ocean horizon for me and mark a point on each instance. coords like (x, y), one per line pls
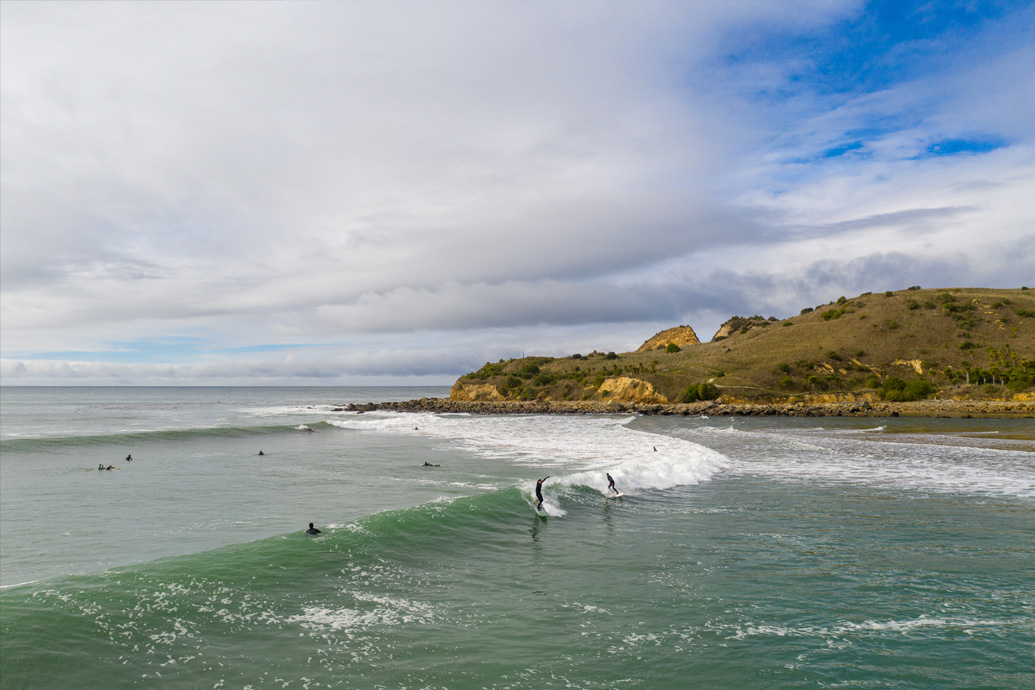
(748, 553)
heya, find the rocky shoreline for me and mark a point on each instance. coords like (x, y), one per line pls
(922, 408)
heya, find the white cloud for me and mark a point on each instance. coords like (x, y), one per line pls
(247, 174)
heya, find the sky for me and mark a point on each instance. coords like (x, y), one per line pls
(380, 193)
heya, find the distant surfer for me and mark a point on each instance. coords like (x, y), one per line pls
(611, 483)
(109, 467)
(539, 491)
(312, 530)
(129, 458)
(100, 467)
(655, 449)
(261, 453)
(428, 464)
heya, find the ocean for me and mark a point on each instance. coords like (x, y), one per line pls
(745, 552)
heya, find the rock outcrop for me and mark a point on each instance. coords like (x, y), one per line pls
(680, 335)
(626, 389)
(475, 392)
(741, 324)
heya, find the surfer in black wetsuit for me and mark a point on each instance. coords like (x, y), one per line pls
(539, 491)
(100, 467)
(611, 483)
(129, 458)
(312, 530)
(428, 464)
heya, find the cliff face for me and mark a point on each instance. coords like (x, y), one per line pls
(680, 335)
(626, 389)
(474, 392)
(740, 324)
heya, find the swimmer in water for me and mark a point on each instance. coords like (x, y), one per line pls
(539, 491)
(611, 483)
(261, 453)
(312, 530)
(129, 458)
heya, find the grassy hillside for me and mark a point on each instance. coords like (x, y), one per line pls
(907, 344)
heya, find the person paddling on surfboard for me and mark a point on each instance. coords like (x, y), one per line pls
(611, 484)
(539, 491)
(312, 530)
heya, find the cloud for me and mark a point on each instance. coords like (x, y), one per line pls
(345, 177)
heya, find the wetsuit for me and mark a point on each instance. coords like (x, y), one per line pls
(611, 484)
(312, 530)
(539, 492)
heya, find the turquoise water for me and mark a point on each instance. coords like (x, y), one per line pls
(771, 553)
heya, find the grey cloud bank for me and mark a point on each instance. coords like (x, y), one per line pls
(409, 190)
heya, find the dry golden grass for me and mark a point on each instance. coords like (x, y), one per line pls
(872, 335)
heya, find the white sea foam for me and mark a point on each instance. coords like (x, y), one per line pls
(877, 627)
(579, 449)
(935, 463)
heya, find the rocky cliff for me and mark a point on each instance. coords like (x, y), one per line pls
(680, 335)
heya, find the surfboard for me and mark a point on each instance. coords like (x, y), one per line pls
(615, 495)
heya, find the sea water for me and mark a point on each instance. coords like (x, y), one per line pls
(745, 553)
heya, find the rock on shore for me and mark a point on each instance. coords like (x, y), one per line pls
(923, 408)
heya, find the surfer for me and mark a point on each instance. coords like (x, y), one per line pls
(129, 458)
(428, 464)
(312, 530)
(109, 467)
(100, 467)
(611, 483)
(539, 491)
(655, 449)
(261, 453)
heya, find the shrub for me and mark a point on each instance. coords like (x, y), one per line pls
(773, 318)
(842, 299)
(1026, 313)
(785, 367)
(529, 370)
(834, 356)
(913, 287)
(577, 356)
(912, 305)
(542, 379)
(859, 353)
(892, 324)
(889, 293)
(831, 314)
(610, 355)
(806, 310)
(897, 390)
(968, 345)
(672, 347)
(708, 391)
(787, 323)
(689, 395)
(786, 382)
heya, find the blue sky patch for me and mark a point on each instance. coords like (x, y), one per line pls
(954, 147)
